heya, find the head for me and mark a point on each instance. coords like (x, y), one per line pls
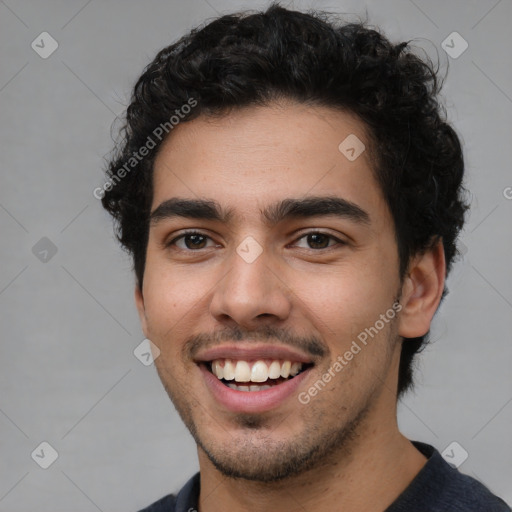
(237, 130)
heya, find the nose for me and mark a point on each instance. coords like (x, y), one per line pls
(251, 293)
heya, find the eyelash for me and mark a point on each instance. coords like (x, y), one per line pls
(304, 235)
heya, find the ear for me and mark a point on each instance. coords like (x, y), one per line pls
(139, 302)
(421, 291)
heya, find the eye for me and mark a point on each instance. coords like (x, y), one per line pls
(191, 240)
(194, 241)
(318, 240)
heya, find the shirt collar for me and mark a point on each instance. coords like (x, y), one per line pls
(188, 497)
(435, 471)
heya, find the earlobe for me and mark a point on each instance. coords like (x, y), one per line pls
(139, 303)
(421, 291)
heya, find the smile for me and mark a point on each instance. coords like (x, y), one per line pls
(250, 377)
(257, 375)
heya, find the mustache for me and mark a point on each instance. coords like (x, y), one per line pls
(310, 345)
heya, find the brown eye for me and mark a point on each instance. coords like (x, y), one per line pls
(190, 241)
(318, 240)
(195, 241)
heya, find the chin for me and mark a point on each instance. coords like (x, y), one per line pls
(271, 464)
(256, 455)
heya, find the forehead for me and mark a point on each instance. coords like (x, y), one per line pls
(257, 156)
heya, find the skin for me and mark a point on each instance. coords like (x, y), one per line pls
(345, 441)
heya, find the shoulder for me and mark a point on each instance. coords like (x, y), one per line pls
(165, 504)
(185, 501)
(439, 487)
(465, 494)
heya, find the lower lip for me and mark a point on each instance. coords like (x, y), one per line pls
(251, 401)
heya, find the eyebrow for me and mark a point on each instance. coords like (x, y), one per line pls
(273, 214)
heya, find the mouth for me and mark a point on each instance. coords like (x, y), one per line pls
(255, 376)
(252, 380)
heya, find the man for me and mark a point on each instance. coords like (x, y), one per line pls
(291, 196)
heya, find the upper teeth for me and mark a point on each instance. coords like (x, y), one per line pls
(257, 371)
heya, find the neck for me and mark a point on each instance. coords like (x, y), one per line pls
(379, 464)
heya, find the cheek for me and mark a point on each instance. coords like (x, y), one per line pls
(171, 289)
(346, 299)
(169, 303)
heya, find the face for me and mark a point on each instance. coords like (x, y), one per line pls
(270, 254)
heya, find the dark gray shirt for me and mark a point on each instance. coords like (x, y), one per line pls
(436, 488)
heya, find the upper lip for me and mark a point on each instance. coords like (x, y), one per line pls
(252, 352)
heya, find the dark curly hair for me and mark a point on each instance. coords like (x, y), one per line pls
(253, 59)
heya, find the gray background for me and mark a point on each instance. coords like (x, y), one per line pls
(69, 327)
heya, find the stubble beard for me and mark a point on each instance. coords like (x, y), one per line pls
(259, 458)
(255, 456)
